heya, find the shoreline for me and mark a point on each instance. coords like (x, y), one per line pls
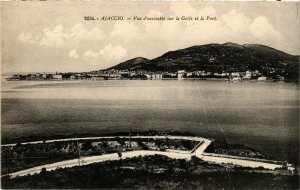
(166, 79)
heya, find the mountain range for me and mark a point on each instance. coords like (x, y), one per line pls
(227, 57)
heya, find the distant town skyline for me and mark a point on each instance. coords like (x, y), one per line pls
(53, 36)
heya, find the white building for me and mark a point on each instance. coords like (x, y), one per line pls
(148, 76)
(223, 74)
(235, 79)
(115, 75)
(189, 74)
(180, 74)
(262, 78)
(235, 74)
(157, 76)
(57, 77)
(248, 74)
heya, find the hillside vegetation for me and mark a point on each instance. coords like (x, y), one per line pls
(155, 172)
(228, 57)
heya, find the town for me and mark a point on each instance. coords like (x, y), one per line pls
(113, 74)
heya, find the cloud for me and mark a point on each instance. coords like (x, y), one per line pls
(79, 32)
(90, 54)
(110, 52)
(161, 30)
(208, 11)
(182, 9)
(152, 28)
(125, 30)
(60, 37)
(205, 31)
(73, 54)
(27, 38)
(100, 46)
(237, 22)
(263, 30)
(187, 32)
(55, 37)
(232, 26)
(105, 57)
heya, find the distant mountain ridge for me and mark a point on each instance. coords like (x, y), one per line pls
(228, 57)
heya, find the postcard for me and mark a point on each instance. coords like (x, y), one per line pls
(149, 95)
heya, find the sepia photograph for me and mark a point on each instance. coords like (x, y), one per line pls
(150, 95)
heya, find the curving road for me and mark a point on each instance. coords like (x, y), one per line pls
(98, 138)
(198, 152)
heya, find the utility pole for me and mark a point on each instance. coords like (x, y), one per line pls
(130, 138)
(289, 159)
(79, 155)
(224, 137)
(44, 142)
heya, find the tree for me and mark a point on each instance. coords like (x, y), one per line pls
(104, 145)
(43, 171)
(18, 145)
(87, 145)
(120, 155)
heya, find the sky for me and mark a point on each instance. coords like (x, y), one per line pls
(53, 36)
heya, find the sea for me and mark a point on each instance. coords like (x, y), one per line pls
(261, 115)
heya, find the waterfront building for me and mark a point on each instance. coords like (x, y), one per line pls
(148, 76)
(248, 74)
(236, 79)
(158, 76)
(104, 75)
(235, 74)
(180, 74)
(57, 77)
(189, 74)
(224, 74)
(262, 78)
(115, 76)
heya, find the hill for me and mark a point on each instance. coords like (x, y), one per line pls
(132, 64)
(229, 57)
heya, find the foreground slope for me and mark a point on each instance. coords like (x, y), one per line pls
(154, 172)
